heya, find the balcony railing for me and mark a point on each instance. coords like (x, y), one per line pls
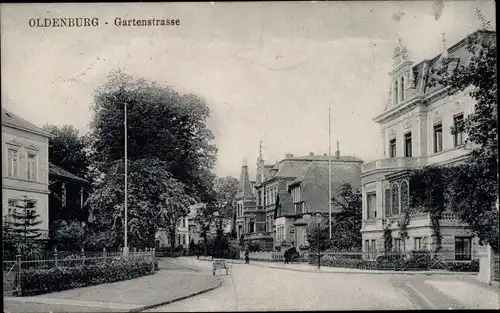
(394, 163)
(447, 216)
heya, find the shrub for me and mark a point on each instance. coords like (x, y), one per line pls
(472, 266)
(340, 261)
(39, 281)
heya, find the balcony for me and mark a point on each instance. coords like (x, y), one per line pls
(389, 163)
(257, 235)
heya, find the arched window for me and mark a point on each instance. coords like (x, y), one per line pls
(395, 199)
(402, 87)
(395, 93)
(405, 195)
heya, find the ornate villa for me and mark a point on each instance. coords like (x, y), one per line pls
(415, 132)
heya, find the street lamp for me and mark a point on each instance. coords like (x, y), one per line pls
(318, 223)
(125, 248)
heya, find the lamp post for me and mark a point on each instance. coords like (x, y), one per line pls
(318, 223)
(125, 247)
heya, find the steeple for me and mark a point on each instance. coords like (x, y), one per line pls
(337, 153)
(260, 159)
(244, 188)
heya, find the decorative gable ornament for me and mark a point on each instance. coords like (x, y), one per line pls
(400, 54)
(32, 147)
(14, 143)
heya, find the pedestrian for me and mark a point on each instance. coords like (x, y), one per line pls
(247, 257)
(198, 252)
(285, 256)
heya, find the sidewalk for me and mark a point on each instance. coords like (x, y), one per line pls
(304, 267)
(134, 295)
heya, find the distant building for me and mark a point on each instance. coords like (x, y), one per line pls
(286, 193)
(415, 131)
(68, 194)
(186, 231)
(25, 166)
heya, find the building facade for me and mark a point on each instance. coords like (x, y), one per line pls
(415, 132)
(274, 210)
(187, 230)
(25, 166)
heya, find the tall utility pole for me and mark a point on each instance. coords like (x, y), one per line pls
(330, 170)
(125, 248)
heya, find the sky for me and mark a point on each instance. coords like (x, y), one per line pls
(268, 70)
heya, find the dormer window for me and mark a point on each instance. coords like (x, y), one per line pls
(402, 87)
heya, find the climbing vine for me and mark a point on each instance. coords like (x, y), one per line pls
(387, 236)
(428, 186)
(403, 223)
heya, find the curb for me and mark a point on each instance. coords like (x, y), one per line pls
(151, 306)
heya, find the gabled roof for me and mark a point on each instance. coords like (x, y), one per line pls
(314, 183)
(14, 121)
(59, 171)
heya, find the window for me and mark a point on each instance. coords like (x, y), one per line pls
(392, 148)
(405, 195)
(402, 87)
(417, 243)
(304, 237)
(463, 247)
(397, 244)
(408, 153)
(12, 206)
(458, 136)
(387, 202)
(12, 162)
(186, 222)
(371, 205)
(31, 170)
(395, 93)
(438, 138)
(367, 247)
(395, 199)
(374, 248)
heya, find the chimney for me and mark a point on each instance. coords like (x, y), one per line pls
(337, 153)
(288, 156)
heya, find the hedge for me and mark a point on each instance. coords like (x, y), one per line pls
(417, 261)
(38, 281)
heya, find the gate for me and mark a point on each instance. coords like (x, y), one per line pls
(11, 277)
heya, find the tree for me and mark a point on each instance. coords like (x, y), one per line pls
(67, 149)
(162, 124)
(204, 218)
(346, 228)
(20, 232)
(156, 201)
(70, 236)
(473, 191)
(225, 189)
(346, 225)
